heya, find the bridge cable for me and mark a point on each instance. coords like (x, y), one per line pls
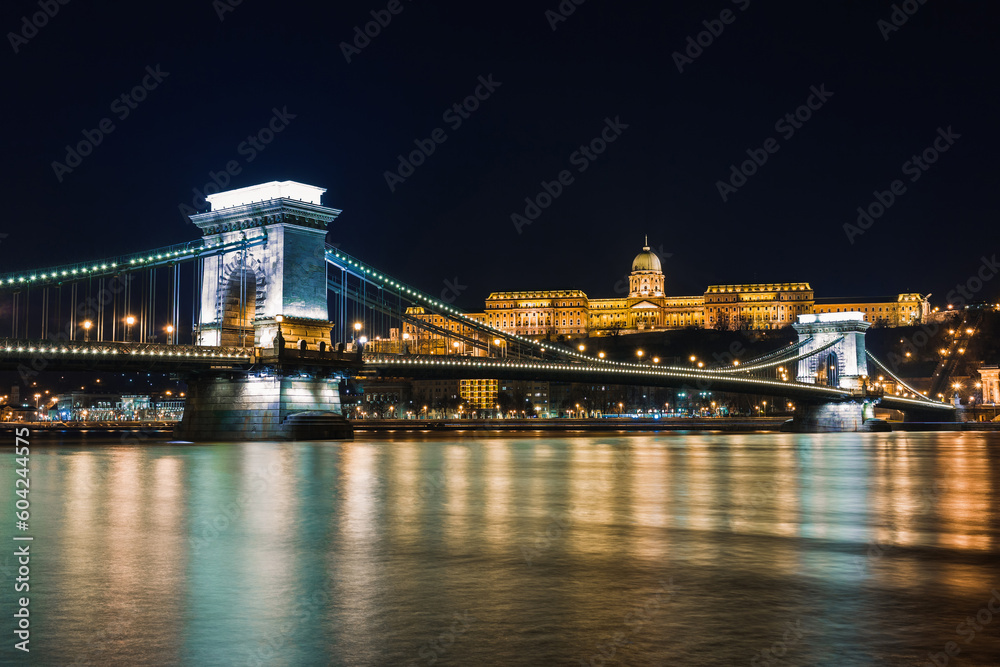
(899, 381)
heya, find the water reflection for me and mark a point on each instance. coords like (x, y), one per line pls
(367, 552)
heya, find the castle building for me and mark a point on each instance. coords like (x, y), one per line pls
(569, 314)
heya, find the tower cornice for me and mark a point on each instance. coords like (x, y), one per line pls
(262, 214)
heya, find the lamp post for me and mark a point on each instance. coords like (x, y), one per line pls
(129, 321)
(170, 334)
(87, 324)
(357, 332)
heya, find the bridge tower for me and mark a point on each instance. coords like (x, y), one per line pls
(275, 280)
(280, 272)
(843, 365)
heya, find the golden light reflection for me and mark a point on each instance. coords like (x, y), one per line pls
(649, 507)
(964, 498)
(456, 492)
(498, 493)
(787, 495)
(650, 482)
(701, 485)
(591, 496)
(410, 489)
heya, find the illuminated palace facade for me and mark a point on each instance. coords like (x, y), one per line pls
(570, 314)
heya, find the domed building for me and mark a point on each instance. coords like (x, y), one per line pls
(646, 278)
(647, 306)
(643, 305)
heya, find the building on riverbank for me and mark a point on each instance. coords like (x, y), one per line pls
(570, 314)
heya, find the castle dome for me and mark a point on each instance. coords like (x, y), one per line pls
(646, 260)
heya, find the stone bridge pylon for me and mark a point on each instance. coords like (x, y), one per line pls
(274, 280)
(841, 361)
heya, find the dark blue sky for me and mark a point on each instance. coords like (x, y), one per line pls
(221, 80)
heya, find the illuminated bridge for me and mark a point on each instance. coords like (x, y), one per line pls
(264, 321)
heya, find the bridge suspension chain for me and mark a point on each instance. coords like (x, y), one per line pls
(899, 381)
(368, 274)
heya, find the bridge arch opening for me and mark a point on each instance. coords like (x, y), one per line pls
(239, 305)
(828, 370)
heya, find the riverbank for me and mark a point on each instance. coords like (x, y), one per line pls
(613, 425)
(369, 428)
(133, 431)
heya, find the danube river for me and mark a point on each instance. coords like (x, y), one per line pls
(677, 549)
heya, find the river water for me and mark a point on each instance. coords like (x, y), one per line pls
(673, 549)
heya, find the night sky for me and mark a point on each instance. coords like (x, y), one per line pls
(885, 94)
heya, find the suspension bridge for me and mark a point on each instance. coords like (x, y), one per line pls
(264, 321)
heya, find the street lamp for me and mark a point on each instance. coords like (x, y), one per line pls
(170, 334)
(581, 347)
(600, 355)
(86, 330)
(129, 321)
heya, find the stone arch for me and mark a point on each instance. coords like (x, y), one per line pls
(828, 369)
(234, 314)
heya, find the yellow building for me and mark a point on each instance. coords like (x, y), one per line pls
(556, 313)
(479, 394)
(899, 311)
(569, 314)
